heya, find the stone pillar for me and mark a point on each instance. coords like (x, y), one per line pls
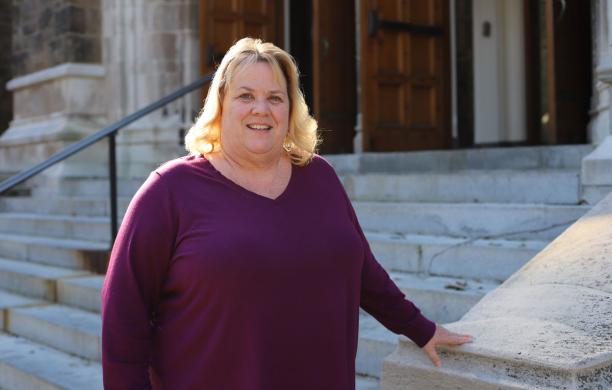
(56, 92)
(597, 167)
(53, 108)
(150, 49)
(547, 327)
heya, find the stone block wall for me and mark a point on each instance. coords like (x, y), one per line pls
(6, 106)
(51, 32)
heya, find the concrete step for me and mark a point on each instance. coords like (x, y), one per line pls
(493, 260)
(59, 226)
(61, 327)
(9, 300)
(82, 206)
(375, 343)
(366, 383)
(473, 220)
(33, 280)
(478, 186)
(84, 186)
(441, 299)
(74, 254)
(527, 157)
(25, 365)
(81, 292)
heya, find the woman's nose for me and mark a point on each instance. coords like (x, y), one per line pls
(260, 106)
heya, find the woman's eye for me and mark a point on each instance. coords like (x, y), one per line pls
(245, 96)
(276, 99)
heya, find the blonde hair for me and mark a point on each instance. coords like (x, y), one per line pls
(301, 140)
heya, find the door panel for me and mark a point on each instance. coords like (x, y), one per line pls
(334, 73)
(568, 36)
(405, 77)
(223, 22)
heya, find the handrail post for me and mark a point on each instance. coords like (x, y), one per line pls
(112, 173)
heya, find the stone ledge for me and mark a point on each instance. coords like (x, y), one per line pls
(597, 166)
(548, 327)
(59, 71)
(408, 368)
(52, 128)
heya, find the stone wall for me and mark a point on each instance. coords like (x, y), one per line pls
(6, 106)
(51, 32)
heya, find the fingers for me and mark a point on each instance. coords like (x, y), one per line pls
(456, 339)
(442, 336)
(433, 356)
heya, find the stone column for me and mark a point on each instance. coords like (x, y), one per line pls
(150, 49)
(597, 167)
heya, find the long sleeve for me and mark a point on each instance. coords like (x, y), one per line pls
(132, 288)
(381, 298)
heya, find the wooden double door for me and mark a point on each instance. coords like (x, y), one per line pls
(403, 93)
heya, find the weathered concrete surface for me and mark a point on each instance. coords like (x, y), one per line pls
(547, 327)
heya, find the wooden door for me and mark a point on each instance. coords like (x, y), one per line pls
(568, 68)
(405, 74)
(223, 22)
(334, 73)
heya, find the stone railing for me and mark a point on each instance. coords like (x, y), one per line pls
(547, 327)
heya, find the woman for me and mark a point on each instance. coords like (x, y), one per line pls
(242, 265)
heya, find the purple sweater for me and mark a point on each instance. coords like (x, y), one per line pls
(211, 286)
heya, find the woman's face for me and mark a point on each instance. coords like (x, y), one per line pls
(255, 114)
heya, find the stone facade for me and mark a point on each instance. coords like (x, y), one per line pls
(101, 60)
(52, 32)
(150, 49)
(6, 106)
(56, 85)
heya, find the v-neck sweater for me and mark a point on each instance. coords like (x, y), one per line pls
(211, 286)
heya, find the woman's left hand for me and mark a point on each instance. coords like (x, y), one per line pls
(443, 336)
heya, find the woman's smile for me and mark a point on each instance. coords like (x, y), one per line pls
(259, 127)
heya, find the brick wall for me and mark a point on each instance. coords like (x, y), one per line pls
(51, 32)
(6, 103)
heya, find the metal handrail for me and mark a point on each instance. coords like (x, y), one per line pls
(110, 132)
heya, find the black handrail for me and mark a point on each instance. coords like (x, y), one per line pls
(109, 131)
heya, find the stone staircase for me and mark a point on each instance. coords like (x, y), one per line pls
(448, 226)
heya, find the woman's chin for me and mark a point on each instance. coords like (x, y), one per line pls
(263, 149)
